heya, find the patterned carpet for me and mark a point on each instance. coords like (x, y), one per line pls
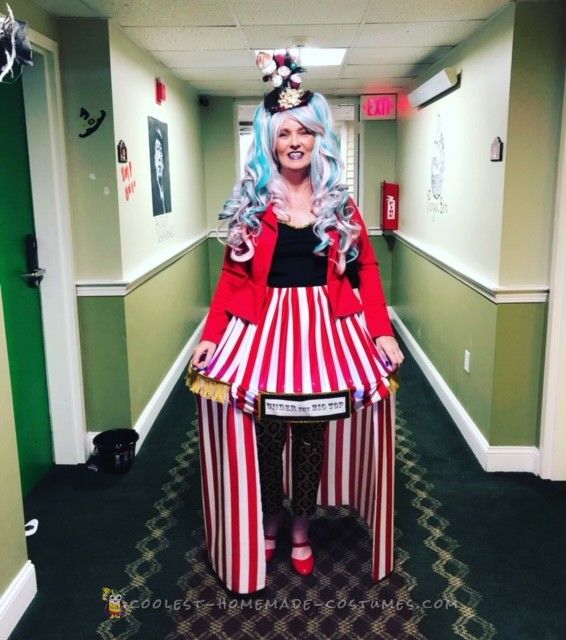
(338, 600)
(472, 549)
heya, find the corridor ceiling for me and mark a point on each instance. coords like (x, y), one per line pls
(211, 43)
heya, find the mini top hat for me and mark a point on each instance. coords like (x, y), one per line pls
(283, 72)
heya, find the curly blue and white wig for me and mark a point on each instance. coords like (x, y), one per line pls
(262, 183)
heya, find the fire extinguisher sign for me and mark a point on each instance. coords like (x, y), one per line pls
(389, 206)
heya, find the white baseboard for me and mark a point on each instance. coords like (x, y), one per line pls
(491, 458)
(154, 406)
(16, 599)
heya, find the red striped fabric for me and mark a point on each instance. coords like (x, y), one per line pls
(358, 470)
(299, 347)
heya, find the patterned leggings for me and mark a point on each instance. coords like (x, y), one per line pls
(307, 457)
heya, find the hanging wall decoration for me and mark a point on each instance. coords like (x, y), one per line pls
(159, 166)
(15, 49)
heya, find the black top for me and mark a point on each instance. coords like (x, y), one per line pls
(294, 263)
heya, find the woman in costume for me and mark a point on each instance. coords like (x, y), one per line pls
(289, 349)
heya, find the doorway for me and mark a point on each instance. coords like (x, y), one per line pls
(41, 322)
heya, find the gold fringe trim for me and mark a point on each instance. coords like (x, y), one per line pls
(207, 387)
(393, 382)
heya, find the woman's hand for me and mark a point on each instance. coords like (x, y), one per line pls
(389, 350)
(206, 349)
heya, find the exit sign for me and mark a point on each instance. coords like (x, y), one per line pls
(381, 106)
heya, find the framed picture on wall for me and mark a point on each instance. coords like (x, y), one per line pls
(159, 165)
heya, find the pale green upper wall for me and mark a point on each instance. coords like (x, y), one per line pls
(219, 152)
(12, 537)
(85, 66)
(466, 233)
(115, 237)
(147, 239)
(37, 19)
(377, 163)
(533, 135)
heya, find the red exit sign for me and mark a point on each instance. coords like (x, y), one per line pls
(381, 106)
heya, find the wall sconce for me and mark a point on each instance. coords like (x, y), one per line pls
(434, 87)
(160, 91)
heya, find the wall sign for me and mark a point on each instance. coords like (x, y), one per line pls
(381, 106)
(122, 152)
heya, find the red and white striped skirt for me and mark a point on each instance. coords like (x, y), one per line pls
(299, 347)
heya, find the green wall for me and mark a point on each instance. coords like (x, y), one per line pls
(499, 232)
(161, 315)
(12, 537)
(219, 154)
(130, 342)
(533, 138)
(377, 163)
(506, 342)
(93, 187)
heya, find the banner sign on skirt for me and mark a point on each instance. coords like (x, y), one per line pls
(304, 407)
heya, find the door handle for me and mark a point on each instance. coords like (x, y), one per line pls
(35, 274)
(33, 278)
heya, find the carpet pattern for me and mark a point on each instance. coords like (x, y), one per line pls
(338, 600)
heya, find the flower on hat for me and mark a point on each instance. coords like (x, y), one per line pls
(276, 81)
(284, 71)
(295, 80)
(265, 63)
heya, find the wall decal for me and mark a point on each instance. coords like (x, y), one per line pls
(93, 123)
(128, 180)
(159, 164)
(436, 205)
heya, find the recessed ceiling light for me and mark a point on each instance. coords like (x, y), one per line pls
(311, 57)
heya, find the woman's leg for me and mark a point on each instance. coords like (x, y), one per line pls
(270, 439)
(307, 459)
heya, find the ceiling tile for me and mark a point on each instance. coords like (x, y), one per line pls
(219, 75)
(186, 38)
(172, 13)
(221, 59)
(417, 10)
(380, 70)
(416, 33)
(373, 86)
(394, 55)
(314, 35)
(65, 9)
(271, 12)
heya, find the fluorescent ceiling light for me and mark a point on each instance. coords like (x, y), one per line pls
(311, 57)
(322, 57)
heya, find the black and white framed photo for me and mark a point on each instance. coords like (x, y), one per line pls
(159, 164)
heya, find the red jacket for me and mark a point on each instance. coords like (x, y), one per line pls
(242, 286)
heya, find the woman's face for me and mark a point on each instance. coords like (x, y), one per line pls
(294, 145)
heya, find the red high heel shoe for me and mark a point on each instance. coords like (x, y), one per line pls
(305, 566)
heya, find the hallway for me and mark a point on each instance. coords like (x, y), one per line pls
(123, 141)
(477, 555)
